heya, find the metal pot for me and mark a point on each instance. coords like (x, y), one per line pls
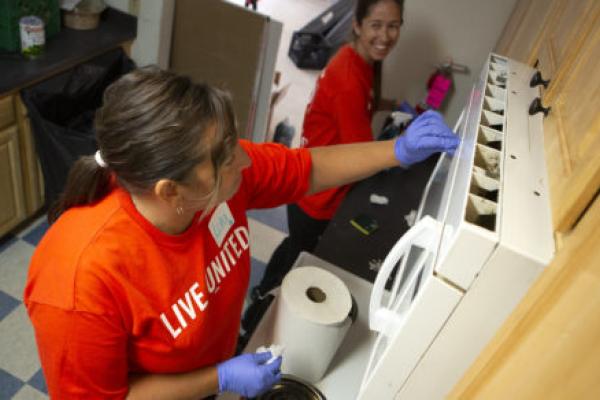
(292, 388)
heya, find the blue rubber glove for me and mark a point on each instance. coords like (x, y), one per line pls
(248, 374)
(426, 135)
(407, 108)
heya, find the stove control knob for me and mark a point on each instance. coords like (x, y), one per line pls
(536, 107)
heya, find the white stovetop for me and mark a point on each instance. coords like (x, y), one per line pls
(344, 375)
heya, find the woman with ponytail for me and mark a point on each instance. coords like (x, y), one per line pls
(137, 288)
(346, 96)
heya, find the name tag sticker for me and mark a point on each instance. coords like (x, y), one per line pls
(220, 223)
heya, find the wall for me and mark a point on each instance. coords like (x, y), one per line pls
(155, 22)
(122, 5)
(466, 30)
(155, 17)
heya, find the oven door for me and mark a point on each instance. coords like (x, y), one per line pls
(418, 305)
(418, 301)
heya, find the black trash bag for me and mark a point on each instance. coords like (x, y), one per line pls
(61, 110)
(312, 45)
(284, 133)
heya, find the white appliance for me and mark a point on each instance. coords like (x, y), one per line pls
(482, 236)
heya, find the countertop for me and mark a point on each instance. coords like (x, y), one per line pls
(65, 50)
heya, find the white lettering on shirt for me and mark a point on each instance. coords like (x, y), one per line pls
(243, 236)
(173, 332)
(187, 307)
(211, 284)
(198, 297)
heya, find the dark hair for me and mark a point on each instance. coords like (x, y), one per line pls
(363, 10)
(151, 126)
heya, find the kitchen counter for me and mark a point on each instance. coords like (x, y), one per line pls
(65, 50)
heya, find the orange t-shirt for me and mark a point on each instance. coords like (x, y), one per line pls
(109, 294)
(340, 112)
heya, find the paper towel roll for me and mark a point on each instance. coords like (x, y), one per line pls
(311, 321)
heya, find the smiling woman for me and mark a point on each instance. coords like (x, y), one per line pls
(346, 96)
(376, 28)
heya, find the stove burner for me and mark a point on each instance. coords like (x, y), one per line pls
(292, 388)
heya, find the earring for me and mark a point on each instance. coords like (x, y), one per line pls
(179, 210)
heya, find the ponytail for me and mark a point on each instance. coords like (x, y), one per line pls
(87, 183)
(152, 125)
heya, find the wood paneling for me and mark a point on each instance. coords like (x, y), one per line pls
(12, 210)
(563, 36)
(7, 114)
(32, 178)
(520, 35)
(572, 130)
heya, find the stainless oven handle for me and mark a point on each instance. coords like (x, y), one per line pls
(425, 234)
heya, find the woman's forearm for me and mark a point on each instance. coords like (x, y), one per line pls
(346, 163)
(189, 385)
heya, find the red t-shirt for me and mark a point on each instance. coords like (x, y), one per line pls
(340, 112)
(109, 294)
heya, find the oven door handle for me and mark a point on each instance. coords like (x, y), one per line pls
(425, 234)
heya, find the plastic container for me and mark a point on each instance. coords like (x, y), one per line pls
(85, 15)
(81, 20)
(32, 35)
(11, 11)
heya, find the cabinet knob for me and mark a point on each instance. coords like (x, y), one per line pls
(537, 80)
(536, 107)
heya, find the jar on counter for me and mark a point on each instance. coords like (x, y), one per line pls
(33, 37)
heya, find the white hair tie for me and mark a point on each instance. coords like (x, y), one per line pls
(99, 160)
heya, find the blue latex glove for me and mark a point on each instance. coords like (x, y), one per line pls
(248, 374)
(426, 135)
(407, 108)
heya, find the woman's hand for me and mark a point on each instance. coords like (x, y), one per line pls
(249, 374)
(426, 135)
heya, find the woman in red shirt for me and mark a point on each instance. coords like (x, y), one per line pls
(136, 290)
(347, 94)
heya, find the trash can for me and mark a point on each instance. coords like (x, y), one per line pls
(61, 111)
(312, 45)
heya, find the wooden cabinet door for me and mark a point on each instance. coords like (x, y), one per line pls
(569, 55)
(526, 23)
(12, 207)
(563, 37)
(33, 183)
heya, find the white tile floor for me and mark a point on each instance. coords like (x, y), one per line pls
(20, 373)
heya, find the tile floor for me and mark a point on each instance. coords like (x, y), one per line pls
(20, 375)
